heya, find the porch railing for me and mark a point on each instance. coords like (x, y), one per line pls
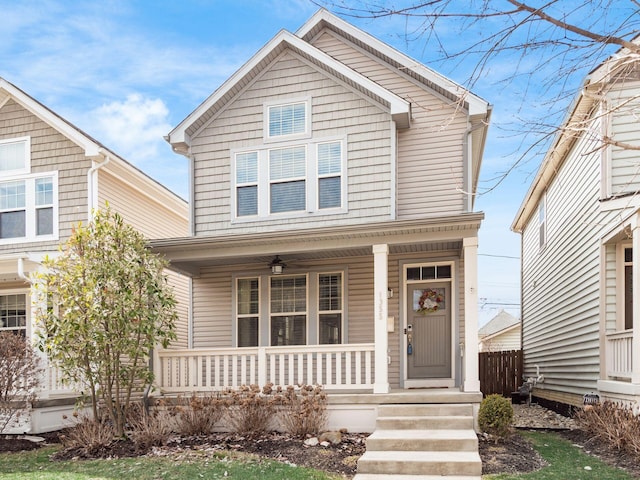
(342, 367)
(619, 354)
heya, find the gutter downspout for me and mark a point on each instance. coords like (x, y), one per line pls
(21, 273)
(468, 161)
(91, 201)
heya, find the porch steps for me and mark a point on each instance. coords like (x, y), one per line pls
(422, 442)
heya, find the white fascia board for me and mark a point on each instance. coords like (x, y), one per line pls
(91, 147)
(397, 105)
(477, 106)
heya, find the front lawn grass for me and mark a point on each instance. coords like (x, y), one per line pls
(35, 465)
(566, 462)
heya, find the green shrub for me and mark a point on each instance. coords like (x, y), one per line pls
(495, 415)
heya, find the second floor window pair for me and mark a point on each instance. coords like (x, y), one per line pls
(27, 200)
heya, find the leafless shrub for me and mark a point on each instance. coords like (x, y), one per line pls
(148, 429)
(251, 409)
(19, 378)
(89, 434)
(198, 414)
(304, 410)
(613, 423)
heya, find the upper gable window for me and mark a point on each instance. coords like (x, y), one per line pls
(287, 120)
(15, 156)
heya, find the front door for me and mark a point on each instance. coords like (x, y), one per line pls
(429, 330)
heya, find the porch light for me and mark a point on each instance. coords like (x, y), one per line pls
(277, 265)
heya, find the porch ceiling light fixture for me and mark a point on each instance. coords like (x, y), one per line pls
(277, 265)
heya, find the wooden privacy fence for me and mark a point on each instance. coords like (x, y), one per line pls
(500, 372)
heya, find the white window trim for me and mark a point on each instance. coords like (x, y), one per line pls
(306, 312)
(27, 295)
(237, 316)
(281, 103)
(620, 290)
(30, 208)
(544, 224)
(311, 182)
(341, 311)
(27, 161)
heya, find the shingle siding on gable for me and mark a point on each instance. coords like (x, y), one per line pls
(50, 151)
(430, 153)
(335, 110)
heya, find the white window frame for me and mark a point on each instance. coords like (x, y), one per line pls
(311, 182)
(621, 265)
(237, 314)
(26, 141)
(270, 314)
(287, 137)
(303, 178)
(325, 312)
(542, 215)
(27, 299)
(31, 208)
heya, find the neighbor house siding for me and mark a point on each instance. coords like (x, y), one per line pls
(336, 112)
(430, 180)
(561, 281)
(50, 152)
(625, 168)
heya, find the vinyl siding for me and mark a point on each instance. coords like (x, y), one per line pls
(50, 151)
(430, 173)
(561, 292)
(336, 112)
(213, 309)
(502, 343)
(625, 168)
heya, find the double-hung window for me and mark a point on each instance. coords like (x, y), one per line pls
(13, 313)
(288, 312)
(287, 179)
(329, 162)
(28, 202)
(247, 184)
(330, 308)
(248, 311)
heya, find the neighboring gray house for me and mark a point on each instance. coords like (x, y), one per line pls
(501, 333)
(51, 176)
(581, 246)
(334, 239)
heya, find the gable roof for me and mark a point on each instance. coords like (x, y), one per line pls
(502, 322)
(565, 138)
(399, 108)
(93, 149)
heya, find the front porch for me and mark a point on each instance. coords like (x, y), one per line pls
(620, 382)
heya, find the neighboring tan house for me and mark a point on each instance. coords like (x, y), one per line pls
(51, 177)
(581, 246)
(500, 334)
(333, 234)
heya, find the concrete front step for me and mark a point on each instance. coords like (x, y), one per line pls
(460, 440)
(425, 410)
(419, 463)
(410, 422)
(393, 476)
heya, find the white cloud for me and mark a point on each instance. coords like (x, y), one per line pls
(135, 127)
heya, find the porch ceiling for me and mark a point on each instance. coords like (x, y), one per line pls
(189, 254)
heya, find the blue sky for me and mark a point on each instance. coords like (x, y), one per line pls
(127, 72)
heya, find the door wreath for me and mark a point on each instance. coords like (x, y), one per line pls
(429, 301)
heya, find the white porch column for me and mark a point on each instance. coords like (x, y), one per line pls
(380, 285)
(635, 275)
(471, 374)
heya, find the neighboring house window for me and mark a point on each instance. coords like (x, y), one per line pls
(27, 207)
(287, 119)
(248, 311)
(287, 179)
(28, 202)
(13, 313)
(15, 156)
(288, 315)
(542, 221)
(330, 308)
(628, 288)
